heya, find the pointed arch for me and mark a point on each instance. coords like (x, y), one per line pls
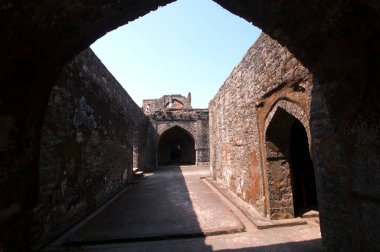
(176, 145)
(294, 110)
(289, 168)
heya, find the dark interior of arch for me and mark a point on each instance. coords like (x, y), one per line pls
(289, 164)
(302, 168)
(176, 146)
(278, 131)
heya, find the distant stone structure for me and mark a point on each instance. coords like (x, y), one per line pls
(174, 101)
(178, 133)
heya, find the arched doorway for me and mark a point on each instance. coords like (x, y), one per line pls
(291, 180)
(176, 146)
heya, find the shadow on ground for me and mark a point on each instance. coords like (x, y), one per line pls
(162, 205)
(170, 209)
(155, 207)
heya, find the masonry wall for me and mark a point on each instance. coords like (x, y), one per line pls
(160, 104)
(194, 121)
(267, 77)
(91, 128)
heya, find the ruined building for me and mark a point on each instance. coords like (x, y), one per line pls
(70, 135)
(166, 102)
(179, 133)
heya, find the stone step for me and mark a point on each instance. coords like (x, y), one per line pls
(310, 214)
(139, 173)
(249, 211)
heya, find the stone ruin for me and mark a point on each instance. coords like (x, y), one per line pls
(179, 133)
(167, 102)
(62, 159)
(255, 136)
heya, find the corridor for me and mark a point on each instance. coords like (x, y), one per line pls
(174, 209)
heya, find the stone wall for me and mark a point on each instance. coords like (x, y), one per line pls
(177, 102)
(91, 130)
(267, 78)
(345, 139)
(342, 132)
(194, 121)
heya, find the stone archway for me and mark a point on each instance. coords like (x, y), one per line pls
(41, 38)
(176, 146)
(289, 168)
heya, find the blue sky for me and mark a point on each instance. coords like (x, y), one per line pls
(187, 46)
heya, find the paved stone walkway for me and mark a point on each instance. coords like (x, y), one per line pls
(174, 210)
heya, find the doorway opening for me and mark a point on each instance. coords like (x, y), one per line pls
(176, 146)
(304, 187)
(291, 179)
(175, 153)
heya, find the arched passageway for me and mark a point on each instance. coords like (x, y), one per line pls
(291, 180)
(41, 38)
(176, 146)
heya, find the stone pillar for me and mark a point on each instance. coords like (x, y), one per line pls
(202, 156)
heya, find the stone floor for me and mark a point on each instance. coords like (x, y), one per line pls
(173, 209)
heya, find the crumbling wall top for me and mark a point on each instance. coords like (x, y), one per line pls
(167, 102)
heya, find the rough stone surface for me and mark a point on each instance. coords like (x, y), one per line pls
(90, 133)
(172, 102)
(337, 41)
(268, 78)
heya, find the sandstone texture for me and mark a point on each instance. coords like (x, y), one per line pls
(268, 78)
